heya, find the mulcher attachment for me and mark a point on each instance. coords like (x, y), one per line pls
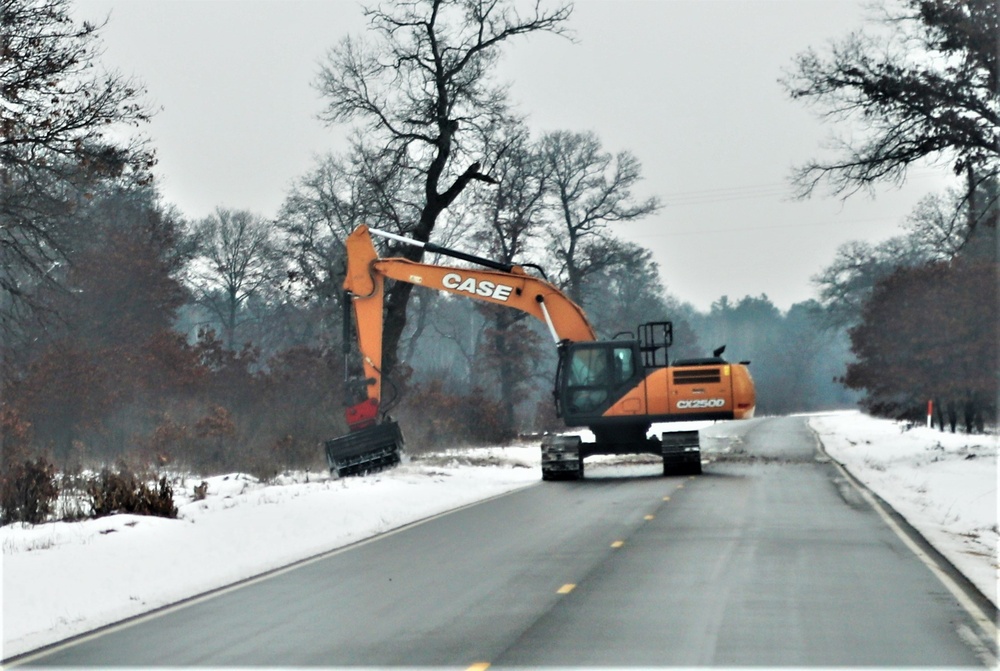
(365, 450)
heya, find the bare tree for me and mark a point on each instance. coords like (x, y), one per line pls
(238, 261)
(511, 214)
(845, 285)
(422, 88)
(936, 230)
(364, 186)
(928, 88)
(321, 209)
(590, 189)
(938, 225)
(57, 114)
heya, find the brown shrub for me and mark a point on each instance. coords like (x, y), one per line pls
(434, 418)
(124, 492)
(28, 491)
(200, 491)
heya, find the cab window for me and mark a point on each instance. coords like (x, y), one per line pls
(624, 364)
(595, 376)
(588, 368)
(587, 379)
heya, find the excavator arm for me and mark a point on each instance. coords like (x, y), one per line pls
(509, 286)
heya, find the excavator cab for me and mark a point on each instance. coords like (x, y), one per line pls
(594, 377)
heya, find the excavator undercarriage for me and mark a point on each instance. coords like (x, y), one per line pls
(563, 455)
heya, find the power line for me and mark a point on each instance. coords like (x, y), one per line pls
(760, 228)
(726, 194)
(774, 189)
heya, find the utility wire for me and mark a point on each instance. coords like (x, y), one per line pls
(743, 229)
(704, 196)
(774, 189)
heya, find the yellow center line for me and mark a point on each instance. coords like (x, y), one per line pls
(618, 544)
(649, 517)
(680, 486)
(666, 498)
(479, 666)
(566, 589)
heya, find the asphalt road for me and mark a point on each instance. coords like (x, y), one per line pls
(768, 558)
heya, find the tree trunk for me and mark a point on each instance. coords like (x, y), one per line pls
(397, 295)
(231, 321)
(952, 416)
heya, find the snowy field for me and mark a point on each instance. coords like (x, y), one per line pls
(62, 579)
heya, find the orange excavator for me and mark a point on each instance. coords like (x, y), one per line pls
(616, 388)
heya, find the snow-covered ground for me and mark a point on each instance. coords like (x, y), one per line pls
(62, 579)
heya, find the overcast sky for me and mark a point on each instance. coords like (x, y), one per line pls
(688, 86)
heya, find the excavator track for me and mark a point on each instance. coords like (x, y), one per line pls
(561, 458)
(681, 453)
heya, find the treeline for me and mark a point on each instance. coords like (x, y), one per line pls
(131, 332)
(215, 343)
(921, 312)
(103, 371)
(796, 362)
